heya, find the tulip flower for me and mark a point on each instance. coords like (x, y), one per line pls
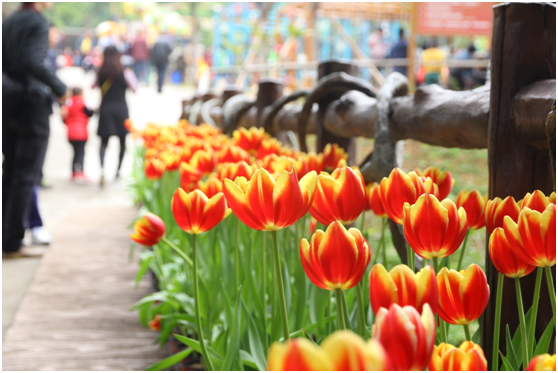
(249, 140)
(296, 355)
(397, 189)
(155, 324)
(311, 162)
(211, 186)
(148, 230)
(233, 154)
(432, 228)
(313, 225)
(189, 176)
(170, 159)
(348, 352)
(268, 205)
(463, 295)
(474, 205)
(154, 168)
(537, 200)
(374, 201)
(543, 362)
(467, 357)
(203, 161)
(443, 180)
(341, 197)
(403, 287)
(276, 164)
(195, 213)
(504, 257)
(268, 146)
(407, 336)
(332, 154)
(233, 170)
(496, 209)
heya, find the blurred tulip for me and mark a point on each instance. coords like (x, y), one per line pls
(473, 204)
(268, 146)
(403, 287)
(211, 186)
(276, 164)
(504, 258)
(148, 230)
(311, 162)
(341, 197)
(496, 209)
(233, 170)
(154, 168)
(544, 362)
(249, 139)
(232, 154)
(195, 213)
(468, 357)
(397, 189)
(189, 176)
(407, 336)
(155, 324)
(432, 228)
(374, 201)
(537, 200)
(170, 159)
(349, 352)
(443, 180)
(268, 205)
(462, 296)
(335, 259)
(332, 154)
(203, 161)
(313, 225)
(298, 355)
(533, 238)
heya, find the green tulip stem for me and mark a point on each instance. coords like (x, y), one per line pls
(362, 216)
(340, 318)
(467, 332)
(383, 242)
(360, 312)
(410, 258)
(442, 323)
(435, 264)
(197, 306)
(280, 287)
(535, 310)
(178, 251)
(497, 319)
(236, 257)
(551, 291)
(159, 259)
(462, 251)
(522, 327)
(264, 275)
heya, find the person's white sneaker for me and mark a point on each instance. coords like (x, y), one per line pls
(40, 236)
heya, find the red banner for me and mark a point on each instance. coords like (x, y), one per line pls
(455, 18)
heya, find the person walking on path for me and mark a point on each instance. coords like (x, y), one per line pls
(140, 53)
(399, 50)
(76, 116)
(160, 55)
(26, 82)
(113, 80)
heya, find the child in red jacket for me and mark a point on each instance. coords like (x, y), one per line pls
(76, 116)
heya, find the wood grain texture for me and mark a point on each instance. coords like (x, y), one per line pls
(75, 314)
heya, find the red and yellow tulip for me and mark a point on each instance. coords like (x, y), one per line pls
(462, 296)
(332, 155)
(474, 205)
(348, 352)
(154, 168)
(148, 230)
(432, 228)
(231, 153)
(211, 186)
(544, 362)
(374, 201)
(189, 176)
(268, 146)
(537, 200)
(467, 357)
(496, 209)
(155, 324)
(403, 287)
(233, 170)
(504, 258)
(397, 189)
(443, 180)
(407, 336)
(171, 159)
(335, 259)
(311, 162)
(203, 161)
(268, 205)
(249, 139)
(195, 213)
(296, 355)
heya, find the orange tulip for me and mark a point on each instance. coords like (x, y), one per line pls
(332, 155)
(468, 357)
(268, 205)
(268, 146)
(397, 189)
(275, 164)
(296, 355)
(155, 324)
(533, 238)
(313, 225)
(504, 258)
(543, 362)
(348, 352)
(496, 209)
(234, 170)
(170, 159)
(211, 186)
(311, 162)
(335, 259)
(189, 176)
(463, 295)
(407, 336)
(203, 161)
(473, 204)
(443, 180)
(403, 287)
(537, 200)
(433, 228)
(195, 213)
(232, 153)
(154, 168)
(341, 196)
(249, 140)
(148, 230)
(374, 201)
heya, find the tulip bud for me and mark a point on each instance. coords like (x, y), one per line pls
(348, 352)
(543, 362)
(496, 209)
(155, 324)
(504, 258)
(537, 201)
(468, 357)
(443, 180)
(232, 154)
(203, 161)
(211, 186)
(296, 355)
(332, 154)
(474, 205)
(148, 230)
(233, 170)
(374, 201)
(249, 139)
(170, 159)
(397, 189)
(154, 168)
(195, 213)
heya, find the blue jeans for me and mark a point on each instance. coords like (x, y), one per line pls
(140, 68)
(161, 69)
(34, 219)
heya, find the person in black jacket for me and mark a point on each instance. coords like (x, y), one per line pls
(160, 56)
(25, 126)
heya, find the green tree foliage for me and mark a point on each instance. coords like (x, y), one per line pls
(86, 15)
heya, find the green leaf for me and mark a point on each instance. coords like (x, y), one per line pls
(171, 360)
(228, 306)
(215, 357)
(476, 337)
(255, 341)
(300, 332)
(234, 342)
(247, 359)
(159, 296)
(511, 356)
(146, 259)
(546, 337)
(309, 338)
(506, 364)
(287, 287)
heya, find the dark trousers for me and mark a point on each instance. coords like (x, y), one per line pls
(161, 69)
(34, 219)
(23, 158)
(79, 155)
(104, 144)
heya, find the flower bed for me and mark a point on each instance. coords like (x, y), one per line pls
(250, 283)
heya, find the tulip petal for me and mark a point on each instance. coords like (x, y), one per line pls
(240, 205)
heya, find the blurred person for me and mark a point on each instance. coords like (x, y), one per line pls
(377, 45)
(39, 235)
(432, 54)
(26, 81)
(76, 117)
(464, 77)
(85, 45)
(399, 50)
(160, 56)
(140, 52)
(113, 80)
